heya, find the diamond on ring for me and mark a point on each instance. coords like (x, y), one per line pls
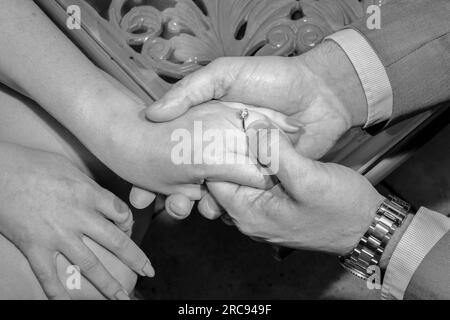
(243, 115)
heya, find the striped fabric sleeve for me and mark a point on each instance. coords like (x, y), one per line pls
(425, 230)
(371, 72)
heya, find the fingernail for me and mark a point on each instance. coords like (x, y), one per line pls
(178, 211)
(122, 295)
(157, 105)
(148, 270)
(121, 206)
(294, 122)
(213, 210)
(227, 220)
(129, 231)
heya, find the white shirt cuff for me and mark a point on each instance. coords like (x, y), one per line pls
(371, 72)
(425, 230)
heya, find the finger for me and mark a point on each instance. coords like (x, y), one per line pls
(233, 163)
(225, 194)
(209, 207)
(244, 171)
(192, 191)
(291, 168)
(113, 239)
(258, 113)
(201, 86)
(228, 220)
(234, 199)
(93, 270)
(44, 268)
(179, 206)
(140, 198)
(113, 208)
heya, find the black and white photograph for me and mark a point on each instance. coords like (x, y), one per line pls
(216, 158)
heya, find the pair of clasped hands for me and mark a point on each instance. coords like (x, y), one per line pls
(315, 205)
(314, 98)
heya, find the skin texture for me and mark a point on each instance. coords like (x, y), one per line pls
(24, 123)
(99, 112)
(152, 166)
(302, 88)
(306, 93)
(309, 209)
(49, 207)
(321, 95)
(22, 284)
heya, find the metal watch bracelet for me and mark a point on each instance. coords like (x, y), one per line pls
(389, 216)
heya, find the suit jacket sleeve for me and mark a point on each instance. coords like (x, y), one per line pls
(414, 47)
(432, 278)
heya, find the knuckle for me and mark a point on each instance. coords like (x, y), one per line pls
(89, 264)
(109, 286)
(126, 226)
(199, 173)
(119, 242)
(83, 191)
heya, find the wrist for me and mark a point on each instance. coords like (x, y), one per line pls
(392, 244)
(332, 65)
(380, 239)
(105, 113)
(369, 207)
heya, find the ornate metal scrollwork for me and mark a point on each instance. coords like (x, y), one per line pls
(175, 37)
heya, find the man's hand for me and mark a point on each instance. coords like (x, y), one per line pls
(317, 206)
(319, 92)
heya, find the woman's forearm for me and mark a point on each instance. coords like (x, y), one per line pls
(38, 60)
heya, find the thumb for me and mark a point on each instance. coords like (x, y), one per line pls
(206, 84)
(179, 206)
(140, 198)
(225, 194)
(274, 150)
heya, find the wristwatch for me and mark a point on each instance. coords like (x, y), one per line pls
(389, 216)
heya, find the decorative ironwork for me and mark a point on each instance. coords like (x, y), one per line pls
(176, 37)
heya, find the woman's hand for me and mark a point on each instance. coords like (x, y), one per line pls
(48, 207)
(146, 154)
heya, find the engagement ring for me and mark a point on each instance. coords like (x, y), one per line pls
(243, 115)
